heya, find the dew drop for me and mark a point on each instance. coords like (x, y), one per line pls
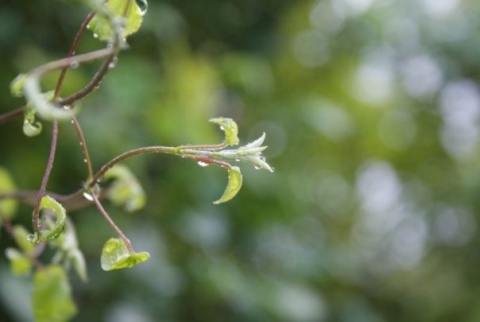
(85, 160)
(32, 238)
(95, 35)
(143, 6)
(88, 196)
(113, 63)
(72, 122)
(202, 164)
(81, 143)
(74, 64)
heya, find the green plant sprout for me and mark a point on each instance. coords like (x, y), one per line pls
(110, 21)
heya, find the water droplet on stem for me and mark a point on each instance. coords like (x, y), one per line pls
(143, 6)
(202, 164)
(74, 64)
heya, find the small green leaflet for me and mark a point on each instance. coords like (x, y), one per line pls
(51, 296)
(230, 128)
(20, 264)
(8, 207)
(16, 86)
(101, 26)
(116, 255)
(233, 186)
(30, 127)
(49, 228)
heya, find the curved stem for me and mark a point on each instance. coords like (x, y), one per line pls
(46, 176)
(83, 145)
(129, 154)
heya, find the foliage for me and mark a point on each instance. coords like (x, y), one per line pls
(111, 21)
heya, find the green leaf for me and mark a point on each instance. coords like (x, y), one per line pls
(233, 186)
(229, 127)
(21, 238)
(49, 227)
(116, 255)
(16, 86)
(30, 127)
(125, 190)
(101, 25)
(8, 207)
(20, 264)
(51, 296)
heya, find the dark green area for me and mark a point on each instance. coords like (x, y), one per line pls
(371, 111)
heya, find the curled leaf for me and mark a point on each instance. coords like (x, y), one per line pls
(116, 255)
(230, 128)
(8, 207)
(125, 190)
(30, 127)
(233, 186)
(101, 25)
(52, 221)
(52, 300)
(42, 102)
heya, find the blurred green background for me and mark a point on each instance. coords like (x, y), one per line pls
(371, 110)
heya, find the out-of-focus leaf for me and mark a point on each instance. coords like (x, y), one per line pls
(233, 186)
(16, 86)
(20, 264)
(125, 190)
(8, 207)
(102, 28)
(115, 255)
(230, 128)
(21, 238)
(78, 261)
(51, 296)
(49, 228)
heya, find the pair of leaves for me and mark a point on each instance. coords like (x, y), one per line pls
(116, 255)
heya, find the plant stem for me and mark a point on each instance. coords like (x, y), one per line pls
(83, 145)
(46, 176)
(112, 224)
(129, 154)
(4, 118)
(71, 52)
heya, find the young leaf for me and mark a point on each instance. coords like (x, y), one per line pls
(16, 86)
(21, 238)
(229, 127)
(8, 207)
(102, 28)
(125, 191)
(30, 127)
(20, 264)
(116, 255)
(49, 229)
(51, 296)
(233, 186)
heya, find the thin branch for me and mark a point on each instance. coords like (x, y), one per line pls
(83, 145)
(46, 176)
(71, 52)
(4, 118)
(112, 223)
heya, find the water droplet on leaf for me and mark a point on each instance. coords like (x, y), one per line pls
(202, 164)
